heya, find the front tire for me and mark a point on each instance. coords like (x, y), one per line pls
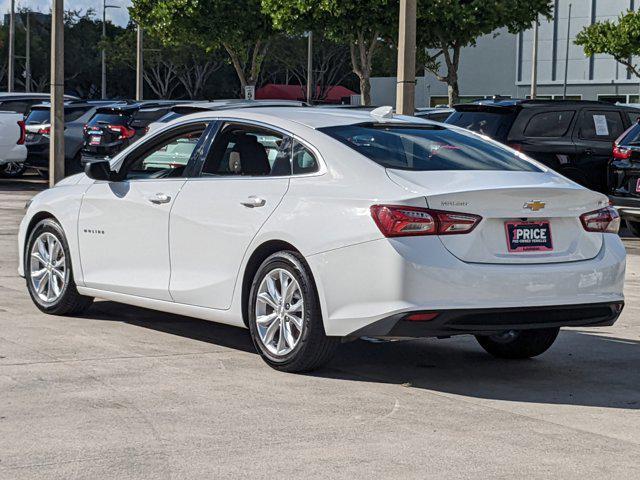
(518, 344)
(284, 316)
(634, 228)
(48, 271)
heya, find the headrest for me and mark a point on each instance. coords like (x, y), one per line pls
(234, 162)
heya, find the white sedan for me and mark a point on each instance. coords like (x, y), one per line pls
(315, 226)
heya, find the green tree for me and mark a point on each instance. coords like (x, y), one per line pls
(446, 26)
(621, 40)
(362, 24)
(239, 26)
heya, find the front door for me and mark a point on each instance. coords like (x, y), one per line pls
(123, 227)
(216, 216)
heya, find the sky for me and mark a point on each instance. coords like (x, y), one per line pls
(119, 16)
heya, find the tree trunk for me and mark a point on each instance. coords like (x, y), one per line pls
(365, 90)
(453, 91)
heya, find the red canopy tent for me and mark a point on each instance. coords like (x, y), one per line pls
(271, 91)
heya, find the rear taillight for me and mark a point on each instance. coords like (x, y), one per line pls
(605, 220)
(44, 131)
(421, 317)
(122, 131)
(621, 153)
(23, 133)
(401, 221)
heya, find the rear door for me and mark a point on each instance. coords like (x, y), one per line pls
(242, 181)
(595, 132)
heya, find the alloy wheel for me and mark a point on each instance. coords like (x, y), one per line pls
(279, 312)
(48, 269)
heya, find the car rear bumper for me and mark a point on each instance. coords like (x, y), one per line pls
(493, 320)
(16, 154)
(365, 283)
(627, 207)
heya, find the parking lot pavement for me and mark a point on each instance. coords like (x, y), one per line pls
(128, 393)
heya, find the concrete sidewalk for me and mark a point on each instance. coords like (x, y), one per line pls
(128, 393)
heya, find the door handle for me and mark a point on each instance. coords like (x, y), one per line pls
(160, 198)
(254, 202)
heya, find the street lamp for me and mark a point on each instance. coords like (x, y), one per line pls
(104, 52)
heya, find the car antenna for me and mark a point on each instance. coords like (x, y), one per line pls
(382, 114)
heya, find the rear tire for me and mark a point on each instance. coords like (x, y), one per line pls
(634, 228)
(48, 271)
(518, 344)
(12, 170)
(284, 315)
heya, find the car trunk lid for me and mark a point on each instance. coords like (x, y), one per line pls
(505, 199)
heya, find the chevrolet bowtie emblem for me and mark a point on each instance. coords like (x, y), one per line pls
(534, 206)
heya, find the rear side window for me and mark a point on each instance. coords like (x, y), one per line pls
(601, 125)
(493, 124)
(549, 124)
(144, 117)
(421, 148)
(71, 114)
(304, 161)
(18, 106)
(109, 118)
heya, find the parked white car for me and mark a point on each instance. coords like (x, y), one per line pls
(312, 226)
(13, 152)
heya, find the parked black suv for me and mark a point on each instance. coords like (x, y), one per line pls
(115, 127)
(573, 137)
(624, 177)
(38, 126)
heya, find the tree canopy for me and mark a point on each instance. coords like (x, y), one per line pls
(362, 24)
(445, 27)
(239, 26)
(619, 39)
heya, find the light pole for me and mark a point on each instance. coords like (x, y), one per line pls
(104, 52)
(139, 65)
(406, 88)
(534, 62)
(566, 57)
(56, 145)
(27, 60)
(12, 53)
(310, 67)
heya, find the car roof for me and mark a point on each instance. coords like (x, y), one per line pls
(129, 106)
(26, 96)
(74, 103)
(309, 117)
(529, 103)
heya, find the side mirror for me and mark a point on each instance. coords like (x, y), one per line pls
(100, 170)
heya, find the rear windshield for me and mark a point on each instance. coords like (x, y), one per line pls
(631, 136)
(109, 118)
(493, 124)
(426, 148)
(38, 116)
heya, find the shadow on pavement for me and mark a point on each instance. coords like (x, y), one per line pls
(582, 368)
(26, 183)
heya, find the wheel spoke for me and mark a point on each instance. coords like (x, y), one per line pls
(38, 273)
(43, 251)
(58, 273)
(273, 290)
(39, 258)
(296, 307)
(43, 283)
(270, 333)
(51, 244)
(281, 335)
(265, 297)
(295, 320)
(266, 320)
(288, 335)
(55, 287)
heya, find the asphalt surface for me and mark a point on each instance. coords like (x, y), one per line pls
(128, 393)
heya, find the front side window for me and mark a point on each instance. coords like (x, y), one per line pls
(166, 160)
(251, 151)
(549, 124)
(412, 147)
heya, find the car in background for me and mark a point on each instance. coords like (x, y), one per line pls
(12, 157)
(434, 114)
(574, 137)
(178, 111)
(114, 127)
(624, 177)
(12, 149)
(38, 128)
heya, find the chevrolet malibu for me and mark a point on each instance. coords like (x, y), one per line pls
(312, 226)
